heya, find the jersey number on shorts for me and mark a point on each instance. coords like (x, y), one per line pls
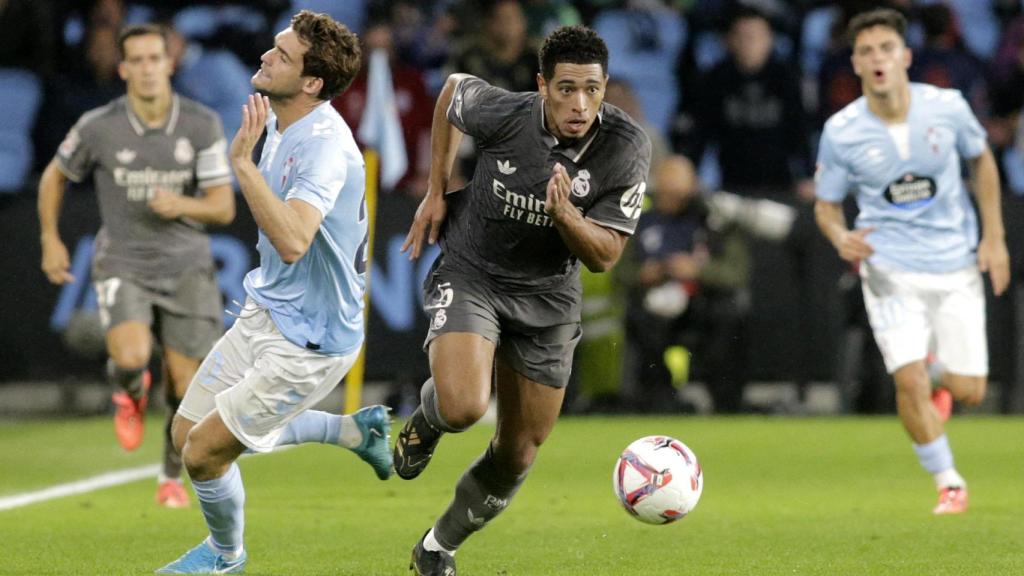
(106, 292)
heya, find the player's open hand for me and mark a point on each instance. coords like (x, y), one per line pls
(557, 199)
(56, 262)
(994, 259)
(254, 120)
(166, 204)
(427, 223)
(853, 245)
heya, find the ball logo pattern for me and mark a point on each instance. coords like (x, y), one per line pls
(658, 479)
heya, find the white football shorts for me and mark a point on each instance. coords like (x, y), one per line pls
(259, 381)
(913, 312)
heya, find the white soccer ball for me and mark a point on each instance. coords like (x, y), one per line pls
(658, 479)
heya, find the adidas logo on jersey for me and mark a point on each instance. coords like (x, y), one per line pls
(125, 155)
(506, 167)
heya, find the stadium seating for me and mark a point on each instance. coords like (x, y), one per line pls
(977, 23)
(19, 102)
(200, 22)
(218, 79)
(352, 13)
(816, 37)
(643, 46)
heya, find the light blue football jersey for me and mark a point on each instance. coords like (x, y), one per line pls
(918, 205)
(317, 302)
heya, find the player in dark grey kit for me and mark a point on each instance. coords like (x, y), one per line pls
(159, 165)
(559, 180)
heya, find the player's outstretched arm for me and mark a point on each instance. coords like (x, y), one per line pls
(992, 254)
(56, 262)
(599, 248)
(851, 244)
(290, 226)
(444, 143)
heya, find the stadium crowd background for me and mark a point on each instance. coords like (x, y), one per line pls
(741, 89)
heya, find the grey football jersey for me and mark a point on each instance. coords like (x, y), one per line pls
(129, 162)
(497, 224)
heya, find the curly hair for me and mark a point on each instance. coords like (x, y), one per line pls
(572, 45)
(333, 56)
(886, 17)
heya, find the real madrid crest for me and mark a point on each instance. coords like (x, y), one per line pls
(183, 151)
(440, 318)
(581, 184)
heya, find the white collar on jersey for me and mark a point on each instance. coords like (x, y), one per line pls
(140, 128)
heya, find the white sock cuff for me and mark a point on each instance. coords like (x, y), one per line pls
(431, 544)
(935, 456)
(229, 554)
(949, 478)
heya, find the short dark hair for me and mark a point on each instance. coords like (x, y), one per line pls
(333, 55)
(140, 30)
(887, 17)
(572, 45)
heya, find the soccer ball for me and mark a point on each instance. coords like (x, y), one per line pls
(658, 479)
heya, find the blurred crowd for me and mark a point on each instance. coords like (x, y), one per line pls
(732, 93)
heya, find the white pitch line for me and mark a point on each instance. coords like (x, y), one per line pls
(79, 486)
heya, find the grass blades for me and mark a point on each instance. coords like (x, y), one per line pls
(782, 496)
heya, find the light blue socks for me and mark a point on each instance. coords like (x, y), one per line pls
(223, 503)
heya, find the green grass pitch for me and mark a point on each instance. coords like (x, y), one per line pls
(782, 496)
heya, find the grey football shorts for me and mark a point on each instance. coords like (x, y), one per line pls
(535, 334)
(184, 311)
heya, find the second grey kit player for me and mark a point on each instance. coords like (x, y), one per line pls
(148, 268)
(136, 249)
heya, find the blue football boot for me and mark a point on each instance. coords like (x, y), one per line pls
(203, 559)
(375, 425)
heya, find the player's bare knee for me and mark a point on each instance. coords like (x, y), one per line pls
(913, 384)
(130, 357)
(465, 408)
(196, 456)
(464, 414)
(192, 461)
